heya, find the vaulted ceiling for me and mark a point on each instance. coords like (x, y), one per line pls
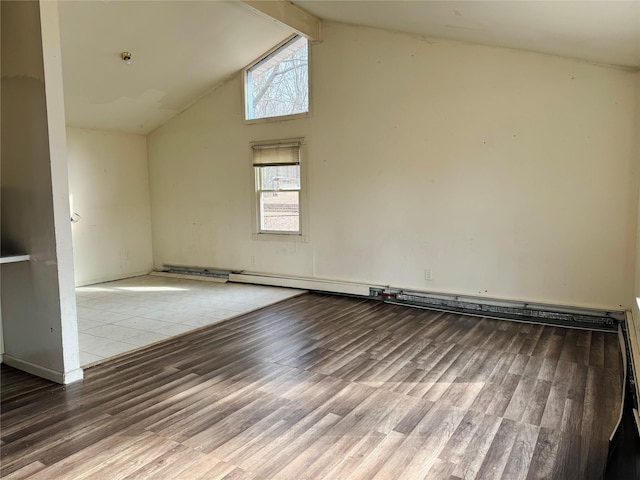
(183, 49)
(180, 50)
(605, 31)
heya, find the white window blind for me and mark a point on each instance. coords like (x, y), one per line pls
(280, 154)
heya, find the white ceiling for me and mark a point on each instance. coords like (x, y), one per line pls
(182, 49)
(603, 31)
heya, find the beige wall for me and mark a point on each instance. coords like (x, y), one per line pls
(508, 174)
(109, 185)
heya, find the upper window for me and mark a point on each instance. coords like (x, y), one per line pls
(278, 187)
(278, 84)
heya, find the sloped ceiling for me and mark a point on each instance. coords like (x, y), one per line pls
(601, 31)
(183, 49)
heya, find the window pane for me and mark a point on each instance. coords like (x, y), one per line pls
(284, 177)
(279, 84)
(280, 211)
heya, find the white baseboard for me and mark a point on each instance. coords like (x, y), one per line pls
(40, 371)
(302, 283)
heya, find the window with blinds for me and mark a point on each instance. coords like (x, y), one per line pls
(277, 186)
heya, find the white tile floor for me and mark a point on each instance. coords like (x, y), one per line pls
(116, 317)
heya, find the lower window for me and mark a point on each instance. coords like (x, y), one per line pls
(278, 187)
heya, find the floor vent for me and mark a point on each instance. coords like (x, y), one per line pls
(577, 317)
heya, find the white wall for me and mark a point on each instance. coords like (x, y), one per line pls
(109, 185)
(38, 298)
(509, 174)
(636, 291)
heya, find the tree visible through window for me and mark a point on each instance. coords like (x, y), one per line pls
(278, 85)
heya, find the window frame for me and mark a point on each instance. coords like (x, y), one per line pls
(243, 86)
(258, 232)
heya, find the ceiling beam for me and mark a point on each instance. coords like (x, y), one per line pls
(289, 15)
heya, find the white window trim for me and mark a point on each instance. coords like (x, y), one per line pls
(243, 86)
(302, 235)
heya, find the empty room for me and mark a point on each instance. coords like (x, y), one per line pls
(320, 239)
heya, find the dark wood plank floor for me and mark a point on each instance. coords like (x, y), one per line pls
(328, 387)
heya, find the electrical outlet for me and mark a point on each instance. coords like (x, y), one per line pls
(428, 274)
(253, 259)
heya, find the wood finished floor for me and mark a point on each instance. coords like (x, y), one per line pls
(325, 387)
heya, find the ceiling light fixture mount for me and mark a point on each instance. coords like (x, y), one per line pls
(126, 57)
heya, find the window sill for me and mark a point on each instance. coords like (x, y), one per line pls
(281, 237)
(283, 118)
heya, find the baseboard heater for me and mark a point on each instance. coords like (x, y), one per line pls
(201, 273)
(577, 317)
(303, 283)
